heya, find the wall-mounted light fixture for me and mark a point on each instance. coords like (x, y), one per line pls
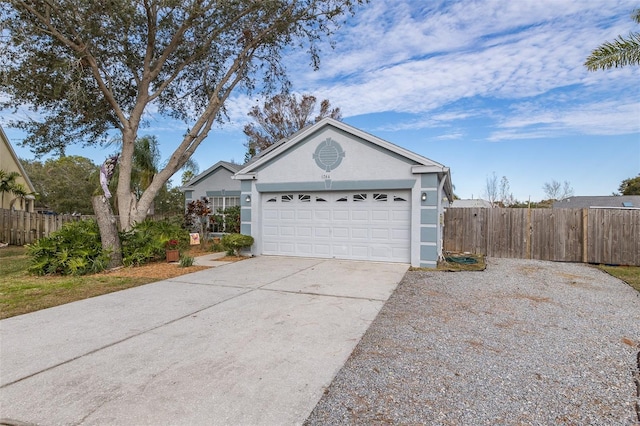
(248, 199)
(423, 197)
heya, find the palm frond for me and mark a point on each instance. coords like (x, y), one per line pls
(618, 53)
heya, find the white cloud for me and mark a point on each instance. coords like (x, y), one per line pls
(407, 58)
(597, 118)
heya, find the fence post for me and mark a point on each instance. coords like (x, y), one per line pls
(528, 232)
(585, 233)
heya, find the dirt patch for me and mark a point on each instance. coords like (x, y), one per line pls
(166, 270)
(529, 270)
(159, 270)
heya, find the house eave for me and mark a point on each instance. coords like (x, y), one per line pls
(302, 134)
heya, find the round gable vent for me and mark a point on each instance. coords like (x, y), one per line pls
(328, 155)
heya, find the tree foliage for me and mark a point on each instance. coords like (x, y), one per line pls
(189, 171)
(90, 67)
(9, 185)
(617, 53)
(491, 189)
(506, 197)
(280, 117)
(169, 201)
(65, 184)
(630, 186)
(196, 216)
(555, 190)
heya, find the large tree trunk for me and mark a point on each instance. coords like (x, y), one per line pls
(108, 230)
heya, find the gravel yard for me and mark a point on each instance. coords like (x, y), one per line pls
(521, 343)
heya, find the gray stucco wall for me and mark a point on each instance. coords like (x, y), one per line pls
(212, 184)
(364, 166)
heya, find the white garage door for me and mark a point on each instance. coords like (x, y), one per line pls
(371, 225)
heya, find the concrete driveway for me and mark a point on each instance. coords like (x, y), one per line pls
(253, 342)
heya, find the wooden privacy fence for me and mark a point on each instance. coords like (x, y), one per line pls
(19, 228)
(609, 236)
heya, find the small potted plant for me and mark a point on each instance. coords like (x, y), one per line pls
(171, 250)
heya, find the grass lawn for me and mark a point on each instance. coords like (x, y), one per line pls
(21, 292)
(628, 274)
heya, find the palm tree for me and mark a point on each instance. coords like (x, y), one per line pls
(189, 170)
(21, 194)
(8, 183)
(146, 161)
(618, 53)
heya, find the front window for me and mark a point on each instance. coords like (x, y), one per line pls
(218, 205)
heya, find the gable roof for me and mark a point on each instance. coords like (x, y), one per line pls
(611, 201)
(21, 170)
(283, 145)
(472, 203)
(233, 168)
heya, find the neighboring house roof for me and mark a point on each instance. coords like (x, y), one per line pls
(233, 168)
(282, 146)
(473, 203)
(16, 160)
(611, 201)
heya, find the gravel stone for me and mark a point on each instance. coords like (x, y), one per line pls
(524, 342)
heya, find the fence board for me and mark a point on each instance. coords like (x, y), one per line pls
(19, 228)
(610, 236)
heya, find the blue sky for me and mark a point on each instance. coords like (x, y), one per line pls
(480, 86)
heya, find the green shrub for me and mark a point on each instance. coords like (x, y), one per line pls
(233, 243)
(186, 261)
(75, 249)
(147, 241)
(217, 247)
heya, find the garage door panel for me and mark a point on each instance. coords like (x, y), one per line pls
(270, 231)
(287, 214)
(340, 232)
(287, 248)
(400, 253)
(270, 214)
(304, 249)
(341, 214)
(360, 252)
(400, 234)
(270, 247)
(322, 250)
(304, 231)
(380, 234)
(304, 214)
(322, 214)
(379, 252)
(341, 250)
(359, 215)
(322, 232)
(360, 233)
(348, 225)
(400, 216)
(381, 216)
